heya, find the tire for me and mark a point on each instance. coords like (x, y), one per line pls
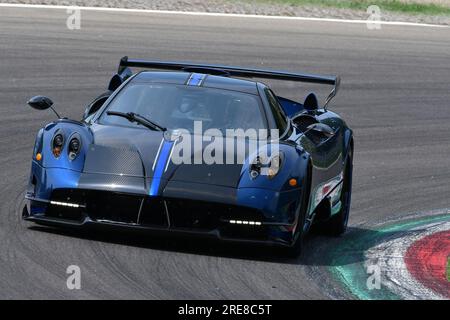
(337, 225)
(296, 249)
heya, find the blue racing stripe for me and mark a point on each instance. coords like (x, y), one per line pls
(160, 166)
(196, 79)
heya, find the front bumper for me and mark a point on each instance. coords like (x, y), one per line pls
(88, 224)
(185, 214)
(64, 197)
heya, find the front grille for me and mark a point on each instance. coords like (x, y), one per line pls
(108, 206)
(188, 214)
(113, 207)
(64, 212)
(153, 213)
(201, 215)
(184, 214)
(245, 232)
(205, 216)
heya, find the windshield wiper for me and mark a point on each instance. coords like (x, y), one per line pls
(134, 117)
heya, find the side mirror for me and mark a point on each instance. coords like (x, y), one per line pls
(40, 103)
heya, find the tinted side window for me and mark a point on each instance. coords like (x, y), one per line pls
(277, 111)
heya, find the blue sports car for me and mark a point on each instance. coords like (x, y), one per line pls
(196, 149)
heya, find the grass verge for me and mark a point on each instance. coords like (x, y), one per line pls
(385, 5)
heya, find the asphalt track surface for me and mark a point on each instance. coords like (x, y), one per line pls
(395, 95)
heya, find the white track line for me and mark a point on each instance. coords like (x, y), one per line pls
(227, 15)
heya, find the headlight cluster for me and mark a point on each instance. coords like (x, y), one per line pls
(74, 145)
(58, 144)
(264, 166)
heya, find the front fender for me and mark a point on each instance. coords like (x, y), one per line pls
(49, 172)
(68, 128)
(276, 197)
(294, 166)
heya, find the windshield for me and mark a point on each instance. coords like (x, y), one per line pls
(177, 107)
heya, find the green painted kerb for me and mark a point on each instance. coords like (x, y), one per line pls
(347, 259)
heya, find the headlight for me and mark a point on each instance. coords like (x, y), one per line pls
(274, 166)
(74, 146)
(57, 144)
(266, 167)
(255, 167)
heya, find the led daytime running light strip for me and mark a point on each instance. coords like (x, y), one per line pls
(251, 223)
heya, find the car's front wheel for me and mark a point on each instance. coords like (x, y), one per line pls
(337, 225)
(296, 249)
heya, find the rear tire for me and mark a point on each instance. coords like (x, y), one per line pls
(337, 225)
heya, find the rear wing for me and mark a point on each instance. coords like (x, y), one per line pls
(233, 72)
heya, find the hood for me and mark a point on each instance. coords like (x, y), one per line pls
(144, 153)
